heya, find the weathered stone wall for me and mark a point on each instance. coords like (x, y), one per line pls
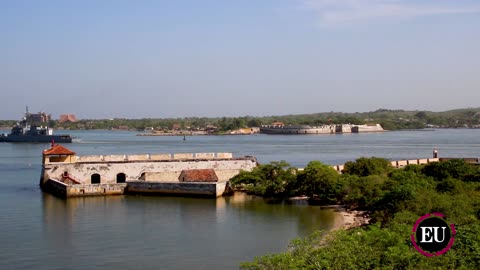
(369, 128)
(205, 155)
(177, 188)
(96, 158)
(225, 175)
(346, 128)
(140, 157)
(224, 155)
(55, 187)
(162, 171)
(162, 176)
(183, 156)
(161, 156)
(210, 189)
(325, 129)
(114, 158)
(93, 190)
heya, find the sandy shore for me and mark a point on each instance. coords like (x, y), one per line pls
(347, 219)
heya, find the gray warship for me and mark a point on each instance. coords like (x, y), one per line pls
(29, 131)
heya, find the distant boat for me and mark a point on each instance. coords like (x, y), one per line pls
(27, 131)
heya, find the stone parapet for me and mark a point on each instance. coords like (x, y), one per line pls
(140, 157)
(96, 189)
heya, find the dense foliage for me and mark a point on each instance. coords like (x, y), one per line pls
(367, 166)
(271, 180)
(394, 198)
(7, 123)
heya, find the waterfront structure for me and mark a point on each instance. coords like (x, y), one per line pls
(201, 174)
(40, 117)
(64, 118)
(30, 130)
(280, 128)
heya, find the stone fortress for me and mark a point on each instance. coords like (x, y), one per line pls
(65, 174)
(281, 128)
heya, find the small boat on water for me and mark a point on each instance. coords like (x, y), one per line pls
(28, 131)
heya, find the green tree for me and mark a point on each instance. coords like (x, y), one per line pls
(254, 122)
(269, 180)
(421, 115)
(320, 182)
(367, 166)
(455, 168)
(395, 201)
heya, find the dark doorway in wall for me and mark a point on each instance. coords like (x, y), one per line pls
(121, 177)
(95, 178)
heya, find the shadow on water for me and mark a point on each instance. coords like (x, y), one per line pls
(307, 218)
(216, 233)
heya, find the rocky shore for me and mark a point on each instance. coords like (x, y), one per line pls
(348, 219)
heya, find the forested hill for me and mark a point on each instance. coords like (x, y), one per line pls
(389, 119)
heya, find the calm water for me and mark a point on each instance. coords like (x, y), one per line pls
(39, 231)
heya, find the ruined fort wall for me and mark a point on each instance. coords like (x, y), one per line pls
(148, 170)
(93, 190)
(325, 129)
(172, 188)
(369, 128)
(147, 157)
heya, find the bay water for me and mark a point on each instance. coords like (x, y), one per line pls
(39, 231)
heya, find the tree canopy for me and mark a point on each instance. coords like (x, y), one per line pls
(394, 199)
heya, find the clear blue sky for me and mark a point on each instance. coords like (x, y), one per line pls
(104, 59)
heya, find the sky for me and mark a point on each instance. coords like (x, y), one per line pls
(184, 58)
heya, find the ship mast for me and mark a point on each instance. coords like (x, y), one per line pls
(26, 124)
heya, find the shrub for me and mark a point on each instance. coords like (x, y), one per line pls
(321, 181)
(455, 168)
(367, 166)
(269, 180)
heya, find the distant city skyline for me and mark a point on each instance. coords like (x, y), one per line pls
(169, 59)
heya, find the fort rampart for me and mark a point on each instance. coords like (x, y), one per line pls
(324, 129)
(67, 175)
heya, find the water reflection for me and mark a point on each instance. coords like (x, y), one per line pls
(306, 218)
(183, 231)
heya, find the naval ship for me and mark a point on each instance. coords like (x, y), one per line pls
(28, 131)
